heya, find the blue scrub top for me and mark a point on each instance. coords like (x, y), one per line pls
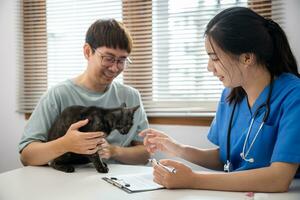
(278, 140)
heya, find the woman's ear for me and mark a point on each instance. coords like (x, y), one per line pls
(87, 51)
(247, 59)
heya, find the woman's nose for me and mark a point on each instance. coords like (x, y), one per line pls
(210, 66)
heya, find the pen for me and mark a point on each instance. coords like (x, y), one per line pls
(169, 169)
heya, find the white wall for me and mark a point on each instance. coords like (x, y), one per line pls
(292, 13)
(12, 123)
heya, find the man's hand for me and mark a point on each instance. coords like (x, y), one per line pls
(106, 150)
(82, 142)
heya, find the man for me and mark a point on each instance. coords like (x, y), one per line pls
(106, 50)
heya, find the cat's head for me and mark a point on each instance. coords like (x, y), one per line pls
(121, 119)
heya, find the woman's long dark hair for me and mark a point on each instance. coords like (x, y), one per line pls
(240, 30)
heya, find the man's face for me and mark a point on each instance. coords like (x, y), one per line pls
(105, 64)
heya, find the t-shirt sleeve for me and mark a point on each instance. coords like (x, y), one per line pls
(140, 119)
(287, 146)
(40, 121)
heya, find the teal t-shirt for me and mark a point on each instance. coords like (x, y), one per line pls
(67, 93)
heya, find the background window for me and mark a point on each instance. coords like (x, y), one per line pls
(169, 59)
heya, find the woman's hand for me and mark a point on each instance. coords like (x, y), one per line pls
(155, 140)
(182, 178)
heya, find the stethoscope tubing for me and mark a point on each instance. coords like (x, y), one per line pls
(266, 115)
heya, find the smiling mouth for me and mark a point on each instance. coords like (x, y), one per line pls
(109, 76)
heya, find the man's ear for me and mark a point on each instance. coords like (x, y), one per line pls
(247, 59)
(87, 51)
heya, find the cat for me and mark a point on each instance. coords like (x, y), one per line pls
(100, 119)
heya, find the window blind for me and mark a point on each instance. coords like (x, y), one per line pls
(67, 23)
(34, 69)
(169, 58)
(137, 16)
(182, 86)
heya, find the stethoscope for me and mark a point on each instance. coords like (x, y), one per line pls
(244, 154)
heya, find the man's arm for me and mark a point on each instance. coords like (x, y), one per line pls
(40, 153)
(134, 154)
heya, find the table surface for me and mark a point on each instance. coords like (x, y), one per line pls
(36, 183)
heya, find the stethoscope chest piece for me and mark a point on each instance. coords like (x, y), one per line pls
(228, 166)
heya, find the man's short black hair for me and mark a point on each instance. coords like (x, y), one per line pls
(109, 33)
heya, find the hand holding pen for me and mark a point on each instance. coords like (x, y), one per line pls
(169, 169)
(172, 174)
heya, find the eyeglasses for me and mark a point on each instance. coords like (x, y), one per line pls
(108, 60)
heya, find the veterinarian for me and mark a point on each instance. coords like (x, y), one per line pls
(106, 49)
(256, 128)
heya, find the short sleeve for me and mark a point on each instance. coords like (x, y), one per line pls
(213, 133)
(40, 121)
(140, 119)
(287, 146)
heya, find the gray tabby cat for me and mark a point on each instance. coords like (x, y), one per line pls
(100, 119)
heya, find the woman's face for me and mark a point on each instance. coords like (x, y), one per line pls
(225, 67)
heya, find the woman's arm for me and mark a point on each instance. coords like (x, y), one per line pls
(155, 140)
(275, 178)
(208, 158)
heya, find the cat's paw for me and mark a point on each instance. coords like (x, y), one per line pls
(69, 169)
(103, 169)
(64, 168)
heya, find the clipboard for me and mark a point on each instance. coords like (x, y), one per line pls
(134, 182)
